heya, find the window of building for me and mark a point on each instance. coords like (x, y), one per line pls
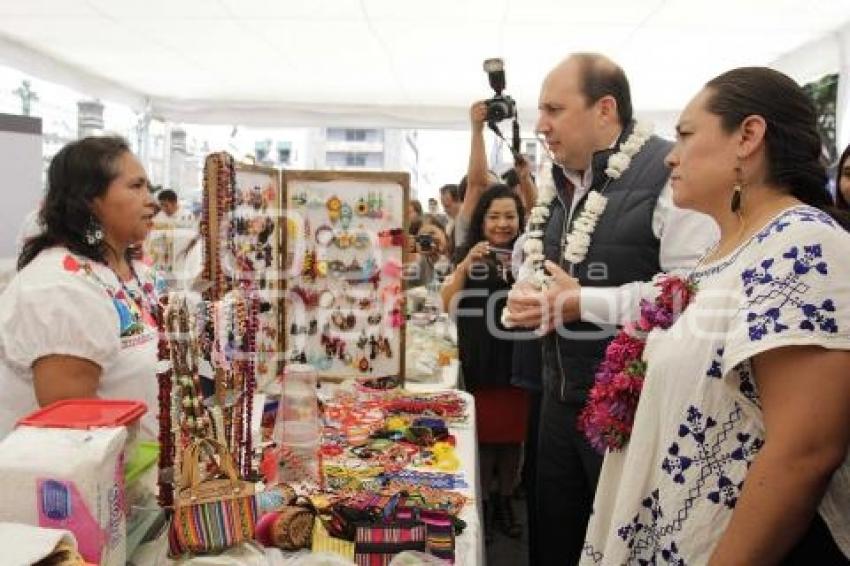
(284, 152)
(355, 159)
(371, 160)
(261, 150)
(370, 135)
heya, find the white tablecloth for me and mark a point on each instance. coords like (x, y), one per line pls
(470, 544)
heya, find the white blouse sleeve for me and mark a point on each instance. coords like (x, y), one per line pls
(796, 293)
(64, 316)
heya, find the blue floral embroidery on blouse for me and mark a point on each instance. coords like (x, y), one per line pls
(808, 260)
(716, 369)
(784, 220)
(775, 227)
(784, 287)
(676, 464)
(707, 458)
(746, 382)
(801, 214)
(671, 555)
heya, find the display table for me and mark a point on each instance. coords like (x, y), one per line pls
(427, 346)
(469, 546)
(447, 381)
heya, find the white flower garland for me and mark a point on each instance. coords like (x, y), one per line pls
(579, 239)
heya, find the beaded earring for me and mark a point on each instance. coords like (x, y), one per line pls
(308, 270)
(345, 216)
(94, 232)
(362, 207)
(334, 206)
(362, 340)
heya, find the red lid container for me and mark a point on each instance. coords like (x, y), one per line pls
(86, 413)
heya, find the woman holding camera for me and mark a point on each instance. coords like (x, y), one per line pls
(429, 253)
(475, 294)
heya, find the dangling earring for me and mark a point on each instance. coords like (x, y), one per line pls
(94, 232)
(736, 191)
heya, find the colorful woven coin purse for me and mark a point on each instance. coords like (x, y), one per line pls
(212, 514)
(377, 544)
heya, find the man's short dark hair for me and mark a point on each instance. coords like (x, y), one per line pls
(166, 195)
(602, 77)
(450, 190)
(461, 189)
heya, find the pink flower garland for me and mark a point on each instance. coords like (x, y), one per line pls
(608, 417)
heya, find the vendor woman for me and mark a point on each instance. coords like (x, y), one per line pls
(78, 319)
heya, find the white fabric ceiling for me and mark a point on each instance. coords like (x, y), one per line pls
(390, 62)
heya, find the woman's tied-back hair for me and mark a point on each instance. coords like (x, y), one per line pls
(792, 141)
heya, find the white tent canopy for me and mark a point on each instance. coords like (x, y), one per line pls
(399, 63)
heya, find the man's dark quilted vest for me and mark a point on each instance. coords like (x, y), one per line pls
(623, 249)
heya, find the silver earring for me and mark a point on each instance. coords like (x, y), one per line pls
(94, 232)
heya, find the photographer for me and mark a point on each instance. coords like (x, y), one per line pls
(479, 177)
(430, 253)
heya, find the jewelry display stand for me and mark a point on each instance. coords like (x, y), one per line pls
(235, 328)
(344, 248)
(241, 234)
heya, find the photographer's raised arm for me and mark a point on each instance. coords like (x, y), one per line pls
(527, 188)
(477, 178)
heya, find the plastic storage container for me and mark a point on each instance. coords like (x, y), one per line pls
(84, 414)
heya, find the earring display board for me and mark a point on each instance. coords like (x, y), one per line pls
(242, 246)
(160, 247)
(344, 248)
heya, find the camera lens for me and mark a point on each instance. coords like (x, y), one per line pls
(425, 241)
(497, 110)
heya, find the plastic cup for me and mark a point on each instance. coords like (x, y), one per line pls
(299, 458)
(299, 401)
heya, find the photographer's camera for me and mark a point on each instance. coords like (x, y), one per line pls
(425, 242)
(500, 107)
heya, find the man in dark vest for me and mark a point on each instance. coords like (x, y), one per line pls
(585, 115)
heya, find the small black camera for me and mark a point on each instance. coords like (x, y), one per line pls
(425, 242)
(500, 107)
